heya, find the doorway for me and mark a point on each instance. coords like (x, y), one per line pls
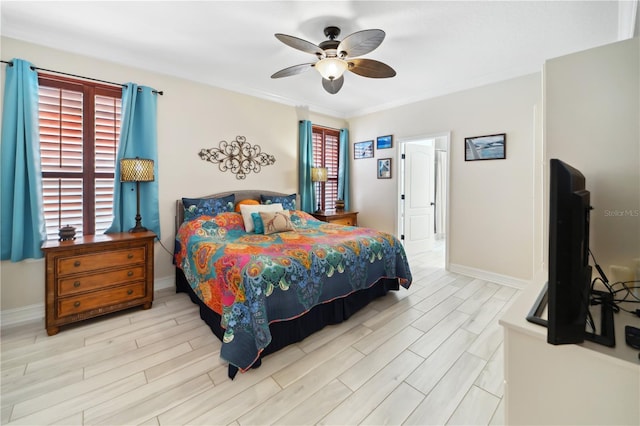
(423, 185)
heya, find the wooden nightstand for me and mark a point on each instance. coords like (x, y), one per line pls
(96, 275)
(340, 218)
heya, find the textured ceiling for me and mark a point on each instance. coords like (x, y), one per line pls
(435, 47)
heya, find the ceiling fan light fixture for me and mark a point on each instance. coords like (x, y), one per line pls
(335, 57)
(331, 68)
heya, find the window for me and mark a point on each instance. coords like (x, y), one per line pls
(326, 146)
(79, 133)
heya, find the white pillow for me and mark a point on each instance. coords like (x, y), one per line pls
(247, 209)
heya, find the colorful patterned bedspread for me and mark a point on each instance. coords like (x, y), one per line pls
(252, 280)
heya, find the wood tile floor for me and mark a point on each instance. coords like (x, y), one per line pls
(429, 355)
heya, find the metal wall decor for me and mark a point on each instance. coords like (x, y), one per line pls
(238, 156)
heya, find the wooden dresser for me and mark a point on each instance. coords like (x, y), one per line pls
(337, 217)
(96, 275)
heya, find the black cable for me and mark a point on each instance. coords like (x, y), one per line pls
(627, 288)
(615, 302)
(606, 284)
(600, 271)
(631, 312)
(165, 249)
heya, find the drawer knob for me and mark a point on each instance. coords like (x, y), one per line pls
(129, 292)
(130, 256)
(76, 263)
(130, 273)
(76, 284)
(77, 304)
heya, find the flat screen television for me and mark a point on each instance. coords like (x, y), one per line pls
(568, 292)
(569, 283)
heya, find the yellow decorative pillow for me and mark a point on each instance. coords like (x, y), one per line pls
(276, 222)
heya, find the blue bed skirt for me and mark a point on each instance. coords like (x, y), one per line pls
(284, 333)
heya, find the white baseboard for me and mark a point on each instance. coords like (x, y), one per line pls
(17, 316)
(165, 282)
(32, 313)
(489, 276)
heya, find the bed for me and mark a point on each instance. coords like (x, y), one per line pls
(266, 275)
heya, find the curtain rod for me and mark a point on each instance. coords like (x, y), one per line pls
(10, 63)
(322, 127)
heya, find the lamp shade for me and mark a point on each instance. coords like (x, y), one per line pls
(318, 174)
(331, 68)
(136, 170)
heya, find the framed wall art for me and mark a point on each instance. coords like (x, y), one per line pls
(363, 150)
(384, 142)
(384, 168)
(490, 147)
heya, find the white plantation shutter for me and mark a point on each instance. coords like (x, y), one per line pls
(61, 157)
(326, 145)
(79, 132)
(107, 134)
(62, 204)
(60, 130)
(103, 204)
(332, 146)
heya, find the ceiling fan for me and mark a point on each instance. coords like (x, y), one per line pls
(335, 57)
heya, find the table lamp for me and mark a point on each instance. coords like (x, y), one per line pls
(136, 170)
(318, 174)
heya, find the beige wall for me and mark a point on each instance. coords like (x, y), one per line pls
(191, 116)
(491, 202)
(592, 103)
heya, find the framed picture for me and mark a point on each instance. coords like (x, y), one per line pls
(384, 168)
(363, 150)
(384, 142)
(490, 147)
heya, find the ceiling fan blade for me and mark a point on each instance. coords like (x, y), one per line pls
(294, 70)
(360, 43)
(300, 44)
(333, 86)
(370, 68)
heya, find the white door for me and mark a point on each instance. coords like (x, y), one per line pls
(419, 185)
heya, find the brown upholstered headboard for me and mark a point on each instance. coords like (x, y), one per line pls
(244, 194)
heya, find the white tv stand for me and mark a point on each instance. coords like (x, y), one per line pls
(567, 384)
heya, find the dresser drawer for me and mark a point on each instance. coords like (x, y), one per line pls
(99, 299)
(348, 221)
(82, 283)
(338, 217)
(99, 260)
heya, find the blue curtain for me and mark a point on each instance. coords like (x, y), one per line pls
(22, 215)
(138, 138)
(305, 185)
(343, 169)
